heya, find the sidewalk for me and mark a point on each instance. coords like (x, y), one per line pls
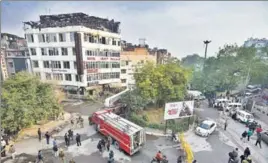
(235, 129)
(157, 132)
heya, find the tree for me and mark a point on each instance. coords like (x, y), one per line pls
(134, 101)
(192, 61)
(162, 83)
(229, 68)
(26, 100)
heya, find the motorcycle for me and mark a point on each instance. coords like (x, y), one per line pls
(164, 160)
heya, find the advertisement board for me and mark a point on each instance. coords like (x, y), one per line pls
(181, 109)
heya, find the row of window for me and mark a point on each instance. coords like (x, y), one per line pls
(66, 64)
(102, 53)
(90, 65)
(101, 76)
(61, 37)
(88, 37)
(64, 52)
(49, 37)
(54, 64)
(58, 76)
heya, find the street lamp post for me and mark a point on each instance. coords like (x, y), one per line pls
(206, 42)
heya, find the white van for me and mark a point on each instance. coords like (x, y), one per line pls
(243, 116)
(233, 105)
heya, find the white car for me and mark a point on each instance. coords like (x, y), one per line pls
(206, 128)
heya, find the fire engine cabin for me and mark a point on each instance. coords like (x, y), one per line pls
(126, 135)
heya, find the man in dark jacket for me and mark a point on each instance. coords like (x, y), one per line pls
(78, 140)
(39, 134)
(247, 152)
(258, 141)
(47, 137)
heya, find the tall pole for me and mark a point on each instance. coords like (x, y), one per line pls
(206, 42)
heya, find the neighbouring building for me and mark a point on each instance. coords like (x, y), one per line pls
(162, 55)
(79, 51)
(14, 55)
(132, 57)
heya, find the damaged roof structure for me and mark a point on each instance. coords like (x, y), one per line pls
(75, 19)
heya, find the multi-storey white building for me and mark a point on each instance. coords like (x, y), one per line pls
(77, 50)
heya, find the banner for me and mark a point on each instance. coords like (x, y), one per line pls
(182, 109)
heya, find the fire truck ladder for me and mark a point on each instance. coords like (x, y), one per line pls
(123, 127)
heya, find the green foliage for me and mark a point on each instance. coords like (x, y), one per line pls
(134, 101)
(26, 101)
(145, 117)
(230, 68)
(156, 126)
(162, 83)
(138, 120)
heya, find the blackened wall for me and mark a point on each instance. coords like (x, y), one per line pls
(79, 53)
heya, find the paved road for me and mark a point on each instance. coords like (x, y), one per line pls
(88, 151)
(215, 148)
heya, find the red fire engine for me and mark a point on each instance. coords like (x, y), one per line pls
(126, 135)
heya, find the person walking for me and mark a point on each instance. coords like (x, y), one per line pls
(78, 140)
(179, 160)
(47, 137)
(71, 134)
(258, 141)
(225, 124)
(67, 140)
(99, 146)
(55, 150)
(250, 133)
(39, 134)
(62, 155)
(12, 151)
(72, 123)
(243, 136)
(247, 152)
(81, 122)
(40, 158)
(108, 144)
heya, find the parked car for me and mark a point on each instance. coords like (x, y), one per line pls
(265, 136)
(244, 116)
(206, 128)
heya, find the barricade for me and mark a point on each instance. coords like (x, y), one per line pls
(187, 149)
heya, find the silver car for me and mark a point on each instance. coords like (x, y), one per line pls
(264, 136)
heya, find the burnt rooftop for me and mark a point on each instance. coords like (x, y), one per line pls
(75, 19)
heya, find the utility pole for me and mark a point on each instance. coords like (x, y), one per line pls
(206, 42)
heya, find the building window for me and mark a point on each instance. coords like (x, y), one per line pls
(75, 65)
(117, 75)
(41, 37)
(66, 65)
(46, 64)
(118, 43)
(115, 54)
(123, 71)
(33, 51)
(56, 64)
(30, 38)
(68, 77)
(44, 51)
(115, 65)
(53, 51)
(88, 38)
(123, 80)
(10, 64)
(91, 53)
(72, 36)
(77, 78)
(114, 42)
(64, 51)
(62, 37)
(51, 37)
(58, 76)
(74, 52)
(35, 64)
(48, 76)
